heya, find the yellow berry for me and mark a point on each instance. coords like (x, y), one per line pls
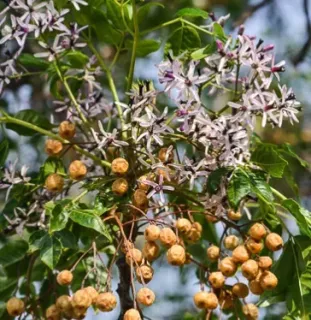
(240, 290)
(64, 278)
(152, 233)
(53, 147)
(15, 307)
(213, 253)
(119, 166)
(240, 254)
(120, 186)
(54, 183)
(132, 314)
(106, 301)
(216, 279)
(67, 130)
(168, 237)
(176, 255)
(274, 242)
(257, 231)
(145, 296)
(151, 251)
(227, 266)
(77, 170)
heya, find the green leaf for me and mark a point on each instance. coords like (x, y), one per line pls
(144, 10)
(13, 251)
(302, 216)
(144, 47)
(67, 238)
(192, 12)
(219, 32)
(6, 283)
(50, 251)
(215, 178)
(59, 218)
(114, 14)
(267, 157)
(288, 150)
(50, 166)
(4, 151)
(88, 219)
(259, 186)
(30, 61)
(30, 116)
(77, 59)
(184, 38)
(238, 188)
(35, 240)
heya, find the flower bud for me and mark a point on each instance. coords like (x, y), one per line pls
(134, 256)
(145, 296)
(106, 301)
(15, 307)
(77, 170)
(144, 274)
(253, 246)
(250, 311)
(234, 215)
(176, 255)
(213, 253)
(151, 251)
(168, 237)
(227, 266)
(140, 199)
(231, 242)
(240, 254)
(81, 301)
(120, 187)
(265, 262)
(119, 166)
(92, 293)
(53, 147)
(166, 155)
(240, 290)
(67, 130)
(152, 232)
(274, 242)
(183, 225)
(52, 313)
(64, 278)
(250, 269)
(268, 280)
(257, 231)
(216, 279)
(54, 183)
(132, 314)
(205, 300)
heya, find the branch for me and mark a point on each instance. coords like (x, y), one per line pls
(305, 48)
(251, 10)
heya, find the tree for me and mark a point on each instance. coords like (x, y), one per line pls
(195, 180)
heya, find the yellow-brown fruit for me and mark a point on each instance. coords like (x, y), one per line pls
(231, 242)
(78, 313)
(80, 300)
(134, 256)
(168, 237)
(166, 155)
(92, 293)
(250, 311)
(119, 166)
(64, 278)
(213, 253)
(15, 307)
(188, 258)
(140, 199)
(195, 232)
(225, 300)
(268, 280)
(234, 215)
(205, 300)
(53, 313)
(176, 255)
(197, 226)
(77, 170)
(253, 246)
(264, 262)
(151, 251)
(255, 287)
(257, 231)
(144, 274)
(120, 187)
(211, 217)
(250, 269)
(63, 303)
(53, 147)
(132, 314)
(227, 266)
(106, 301)
(126, 246)
(145, 296)
(152, 233)
(240, 254)
(183, 225)
(240, 290)
(54, 183)
(67, 130)
(216, 279)
(274, 242)
(141, 185)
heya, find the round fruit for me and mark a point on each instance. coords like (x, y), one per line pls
(225, 300)
(134, 256)
(240, 290)
(144, 274)
(151, 251)
(92, 293)
(77, 170)
(80, 300)
(213, 253)
(145, 296)
(166, 155)
(253, 246)
(234, 215)
(257, 231)
(216, 279)
(231, 242)
(268, 280)
(274, 242)
(250, 269)
(183, 225)
(227, 266)
(106, 301)
(140, 199)
(132, 314)
(211, 217)
(152, 233)
(15, 307)
(120, 187)
(53, 147)
(54, 183)
(67, 130)
(168, 237)
(255, 287)
(264, 262)
(240, 254)
(64, 278)
(250, 311)
(119, 166)
(53, 313)
(176, 255)
(63, 303)
(126, 246)
(205, 300)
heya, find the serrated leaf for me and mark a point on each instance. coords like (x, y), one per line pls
(260, 187)
(4, 151)
(50, 251)
(50, 166)
(192, 12)
(35, 240)
(88, 219)
(215, 178)
(288, 150)
(114, 14)
(30, 116)
(144, 47)
(67, 238)
(13, 251)
(59, 218)
(267, 157)
(238, 188)
(30, 61)
(184, 38)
